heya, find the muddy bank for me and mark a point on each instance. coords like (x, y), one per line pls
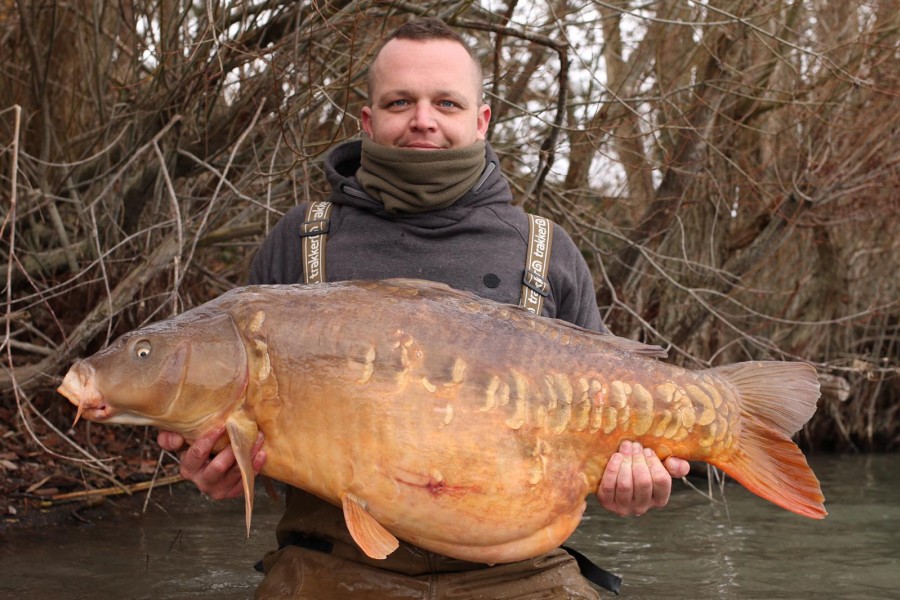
(46, 480)
(23, 511)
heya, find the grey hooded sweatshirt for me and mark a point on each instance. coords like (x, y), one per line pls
(478, 244)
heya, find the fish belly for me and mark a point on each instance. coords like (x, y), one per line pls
(481, 444)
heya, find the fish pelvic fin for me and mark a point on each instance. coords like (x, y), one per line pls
(242, 431)
(376, 541)
(777, 399)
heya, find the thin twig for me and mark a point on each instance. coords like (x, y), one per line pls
(118, 491)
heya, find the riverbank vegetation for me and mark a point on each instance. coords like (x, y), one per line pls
(730, 169)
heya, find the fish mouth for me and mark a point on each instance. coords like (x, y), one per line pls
(80, 389)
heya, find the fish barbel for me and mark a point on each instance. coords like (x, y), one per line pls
(469, 428)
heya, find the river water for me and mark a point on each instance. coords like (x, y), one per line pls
(741, 548)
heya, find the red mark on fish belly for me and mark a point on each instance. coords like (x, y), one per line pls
(436, 486)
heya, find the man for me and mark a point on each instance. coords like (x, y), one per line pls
(421, 196)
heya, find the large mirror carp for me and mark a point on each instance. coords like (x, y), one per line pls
(469, 428)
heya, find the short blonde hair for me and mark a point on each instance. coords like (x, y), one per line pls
(424, 29)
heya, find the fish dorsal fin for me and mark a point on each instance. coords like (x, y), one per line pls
(376, 541)
(614, 341)
(242, 431)
(633, 346)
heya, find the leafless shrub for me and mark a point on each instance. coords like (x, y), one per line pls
(730, 168)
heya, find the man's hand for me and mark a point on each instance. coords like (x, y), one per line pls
(216, 476)
(635, 480)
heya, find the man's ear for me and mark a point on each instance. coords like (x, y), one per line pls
(367, 120)
(482, 119)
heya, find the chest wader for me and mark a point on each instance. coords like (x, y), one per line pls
(535, 287)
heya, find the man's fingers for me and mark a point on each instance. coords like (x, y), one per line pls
(230, 485)
(219, 466)
(197, 454)
(257, 445)
(625, 482)
(661, 485)
(207, 441)
(218, 476)
(677, 467)
(169, 440)
(236, 491)
(606, 492)
(258, 454)
(258, 461)
(636, 480)
(641, 482)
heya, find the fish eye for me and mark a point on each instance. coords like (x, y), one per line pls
(142, 349)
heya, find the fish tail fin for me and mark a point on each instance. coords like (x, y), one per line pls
(777, 399)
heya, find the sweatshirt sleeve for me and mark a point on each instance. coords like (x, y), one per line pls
(572, 285)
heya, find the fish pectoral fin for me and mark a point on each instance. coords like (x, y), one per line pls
(376, 541)
(242, 431)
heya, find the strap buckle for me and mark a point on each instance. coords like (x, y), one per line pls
(536, 283)
(315, 227)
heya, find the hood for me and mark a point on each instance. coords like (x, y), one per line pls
(343, 161)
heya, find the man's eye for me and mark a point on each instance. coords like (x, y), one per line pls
(398, 103)
(447, 104)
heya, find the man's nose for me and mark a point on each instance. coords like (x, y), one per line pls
(423, 117)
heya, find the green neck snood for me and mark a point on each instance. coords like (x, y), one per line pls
(414, 181)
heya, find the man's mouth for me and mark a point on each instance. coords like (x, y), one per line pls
(421, 146)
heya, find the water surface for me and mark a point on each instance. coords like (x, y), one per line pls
(748, 548)
(694, 548)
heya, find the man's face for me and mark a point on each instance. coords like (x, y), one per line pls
(425, 95)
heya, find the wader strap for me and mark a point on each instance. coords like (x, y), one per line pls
(595, 574)
(313, 233)
(535, 286)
